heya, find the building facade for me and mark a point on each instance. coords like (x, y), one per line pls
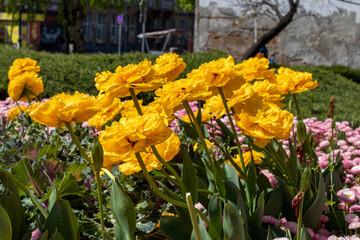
(323, 32)
(101, 28)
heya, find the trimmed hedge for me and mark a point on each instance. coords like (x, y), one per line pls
(352, 74)
(69, 73)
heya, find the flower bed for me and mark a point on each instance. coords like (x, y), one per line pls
(114, 169)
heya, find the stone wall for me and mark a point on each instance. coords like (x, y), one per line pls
(312, 38)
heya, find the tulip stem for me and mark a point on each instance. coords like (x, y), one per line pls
(193, 217)
(27, 192)
(136, 102)
(77, 143)
(19, 107)
(201, 136)
(233, 130)
(171, 169)
(28, 96)
(297, 106)
(299, 223)
(98, 183)
(153, 185)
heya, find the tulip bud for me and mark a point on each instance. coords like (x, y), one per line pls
(306, 179)
(97, 153)
(301, 131)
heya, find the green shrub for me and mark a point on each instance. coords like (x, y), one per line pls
(69, 73)
(352, 74)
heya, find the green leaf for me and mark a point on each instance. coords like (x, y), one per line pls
(219, 179)
(231, 174)
(11, 202)
(171, 227)
(288, 191)
(313, 213)
(257, 216)
(203, 233)
(188, 130)
(123, 210)
(263, 182)
(188, 176)
(274, 204)
(68, 185)
(54, 194)
(226, 131)
(62, 219)
(235, 196)
(76, 170)
(293, 164)
(5, 225)
(251, 181)
(336, 218)
(233, 224)
(215, 213)
(26, 175)
(45, 235)
(56, 236)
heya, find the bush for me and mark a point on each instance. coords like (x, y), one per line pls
(352, 74)
(67, 73)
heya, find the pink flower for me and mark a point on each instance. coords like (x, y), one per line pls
(341, 143)
(292, 226)
(324, 232)
(354, 225)
(355, 208)
(355, 170)
(319, 237)
(323, 219)
(310, 231)
(350, 218)
(271, 220)
(347, 195)
(199, 206)
(35, 234)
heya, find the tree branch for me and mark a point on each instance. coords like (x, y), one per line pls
(274, 31)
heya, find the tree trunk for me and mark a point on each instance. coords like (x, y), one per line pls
(264, 39)
(73, 13)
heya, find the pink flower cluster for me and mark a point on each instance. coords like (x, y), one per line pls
(348, 149)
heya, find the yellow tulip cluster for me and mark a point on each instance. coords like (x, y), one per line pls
(24, 82)
(253, 91)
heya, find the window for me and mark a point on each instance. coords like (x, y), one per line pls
(114, 30)
(100, 29)
(171, 23)
(87, 27)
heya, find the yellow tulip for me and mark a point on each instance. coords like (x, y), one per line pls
(63, 108)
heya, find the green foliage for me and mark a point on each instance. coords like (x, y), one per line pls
(352, 74)
(70, 73)
(5, 224)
